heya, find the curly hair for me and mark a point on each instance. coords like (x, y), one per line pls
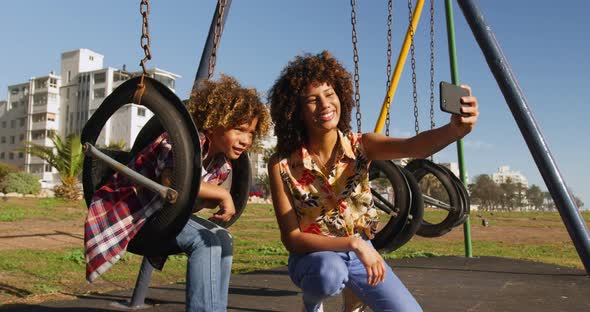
(225, 103)
(285, 97)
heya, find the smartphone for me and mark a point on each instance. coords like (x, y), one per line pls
(450, 98)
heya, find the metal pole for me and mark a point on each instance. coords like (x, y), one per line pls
(145, 272)
(399, 66)
(455, 80)
(531, 132)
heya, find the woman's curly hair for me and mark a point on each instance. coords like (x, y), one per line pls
(285, 97)
(225, 103)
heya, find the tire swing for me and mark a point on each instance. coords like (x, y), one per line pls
(173, 115)
(392, 197)
(400, 214)
(426, 172)
(446, 197)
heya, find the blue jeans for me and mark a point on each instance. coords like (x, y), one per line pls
(325, 273)
(210, 252)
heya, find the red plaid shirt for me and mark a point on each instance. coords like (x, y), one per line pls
(118, 211)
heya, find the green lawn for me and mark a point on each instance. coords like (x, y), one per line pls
(257, 246)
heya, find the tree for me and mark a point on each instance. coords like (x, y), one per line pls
(578, 202)
(20, 182)
(485, 192)
(535, 197)
(119, 145)
(508, 194)
(66, 157)
(5, 169)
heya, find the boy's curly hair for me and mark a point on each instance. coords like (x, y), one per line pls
(227, 104)
(285, 97)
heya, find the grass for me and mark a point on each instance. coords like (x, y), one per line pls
(257, 246)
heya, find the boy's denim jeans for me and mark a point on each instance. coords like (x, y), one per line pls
(210, 253)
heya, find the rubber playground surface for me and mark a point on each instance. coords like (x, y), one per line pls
(438, 283)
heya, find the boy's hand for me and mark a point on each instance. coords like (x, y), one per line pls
(226, 209)
(464, 125)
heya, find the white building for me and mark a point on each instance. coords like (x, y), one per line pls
(63, 104)
(504, 174)
(257, 163)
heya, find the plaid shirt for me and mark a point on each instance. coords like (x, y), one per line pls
(119, 209)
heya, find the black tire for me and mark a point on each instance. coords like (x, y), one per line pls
(416, 216)
(401, 202)
(463, 194)
(166, 223)
(420, 168)
(240, 188)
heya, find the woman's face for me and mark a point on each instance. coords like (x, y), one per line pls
(320, 108)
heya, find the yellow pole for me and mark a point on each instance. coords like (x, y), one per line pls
(399, 66)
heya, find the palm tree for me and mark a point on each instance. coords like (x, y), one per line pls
(66, 157)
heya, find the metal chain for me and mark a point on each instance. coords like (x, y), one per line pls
(357, 96)
(389, 22)
(432, 124)
(413, 58)
(218, 30)
(144, 9)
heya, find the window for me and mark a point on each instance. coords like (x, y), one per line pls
(39, 117)
(3, 140)
(99, 93)
(13, 91)
(15, 104)
(69, 75)
(11, 155)
(100, 77)
(67, 93)
(21, 155)
(91, 58)
(47, 168)
(13, 124)
(12, 139)
(141, 112)
(38, 134)
(21, 122)
(40, 83)
(53, 82)
(21, 137)
(40, 99)
(4, 124)
(2, 155)
(51, 116)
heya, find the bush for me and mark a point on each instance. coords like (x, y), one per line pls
(20, 182)
(6, 169)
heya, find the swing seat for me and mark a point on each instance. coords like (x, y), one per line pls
(170, 115)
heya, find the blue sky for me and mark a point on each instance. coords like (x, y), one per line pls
(546, 44)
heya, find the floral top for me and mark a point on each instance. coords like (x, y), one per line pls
(340, 204)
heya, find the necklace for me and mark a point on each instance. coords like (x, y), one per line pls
(326, 167)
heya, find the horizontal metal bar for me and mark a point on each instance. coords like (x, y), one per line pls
(165, 192)
(435, 202)
(383, 203)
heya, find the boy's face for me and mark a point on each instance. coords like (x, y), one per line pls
(232, 142)
(320, 108)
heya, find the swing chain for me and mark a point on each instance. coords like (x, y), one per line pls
(413, 58)
(144, 9)
(389, 22)
(218, 30)
(357, 96)
(432, 124)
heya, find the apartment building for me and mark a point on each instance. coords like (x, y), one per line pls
(504, 174)
(63, 103)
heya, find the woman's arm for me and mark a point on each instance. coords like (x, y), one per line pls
(378, 146)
